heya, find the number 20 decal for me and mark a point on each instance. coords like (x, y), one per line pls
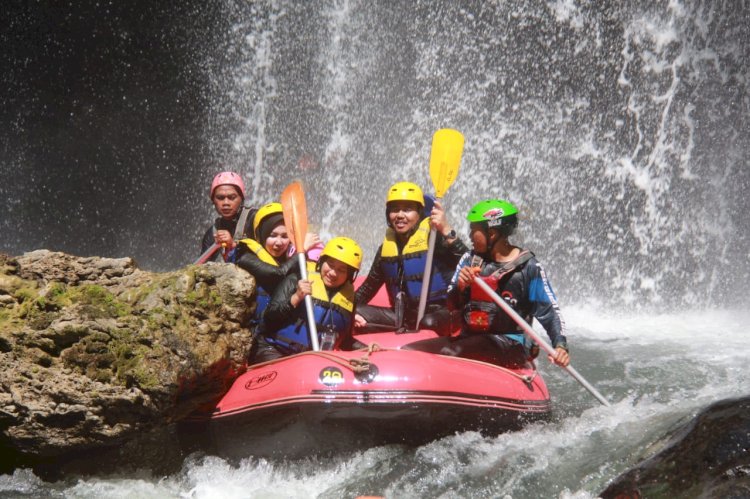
(331, 376)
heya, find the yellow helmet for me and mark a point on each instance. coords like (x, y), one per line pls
(263, 212)
(344, 250)
(405, 191)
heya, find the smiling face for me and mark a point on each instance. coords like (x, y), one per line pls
(403, 216)
(227, 201)
(334, 272)
(277, 242)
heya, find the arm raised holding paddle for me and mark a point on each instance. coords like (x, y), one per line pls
(415, 272)
(401, 262)
(440, 223)
(445, 159)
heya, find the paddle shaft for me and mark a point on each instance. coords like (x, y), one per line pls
(294, 208)
(445, 159)
(308, 304)
(208, 254)
(538, 339)
(427, 275)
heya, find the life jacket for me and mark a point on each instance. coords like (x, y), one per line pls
(335, 313)
(405, 269)
(481, 313)
(263, 296)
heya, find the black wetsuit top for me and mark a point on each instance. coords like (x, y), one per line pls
(230, 225)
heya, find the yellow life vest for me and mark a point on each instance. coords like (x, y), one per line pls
(343, 299)
(259, 251)
(404, 271)
(266, 257)
(417, 243)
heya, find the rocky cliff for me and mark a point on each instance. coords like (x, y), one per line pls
(94, 351)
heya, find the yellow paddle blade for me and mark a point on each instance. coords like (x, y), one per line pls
(295, 213)
(445, 158)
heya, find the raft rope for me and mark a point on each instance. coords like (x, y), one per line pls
(358, 365)
(362, 364)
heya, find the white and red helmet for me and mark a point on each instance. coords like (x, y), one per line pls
(227, 178)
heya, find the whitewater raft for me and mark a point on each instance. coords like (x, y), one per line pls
(330, 401)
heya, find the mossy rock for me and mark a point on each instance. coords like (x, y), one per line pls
(134, 349)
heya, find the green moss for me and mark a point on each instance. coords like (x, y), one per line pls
(129, 350)
(36, 310)
(145, 378)
(58, 296)
(137, 295)
(25, 294)
(102, 375)
(97, 302)
(39, 319)
(182, 325)
(191, 297)
(156, 319)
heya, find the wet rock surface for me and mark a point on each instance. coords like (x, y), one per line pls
(708, 457)
(96, 353)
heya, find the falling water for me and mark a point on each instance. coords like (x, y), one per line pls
(619, 128)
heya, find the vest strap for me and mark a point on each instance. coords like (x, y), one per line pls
(244, 213)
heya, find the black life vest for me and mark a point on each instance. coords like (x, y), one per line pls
(481, 314)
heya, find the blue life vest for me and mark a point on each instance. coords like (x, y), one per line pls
(412, 259)
(335, 313)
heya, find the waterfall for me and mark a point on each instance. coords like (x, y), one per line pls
(620, 131)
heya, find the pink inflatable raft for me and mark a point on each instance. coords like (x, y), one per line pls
(320, 402)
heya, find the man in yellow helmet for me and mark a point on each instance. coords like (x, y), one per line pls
(400, 264)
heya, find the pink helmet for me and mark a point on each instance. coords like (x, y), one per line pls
(227, 178)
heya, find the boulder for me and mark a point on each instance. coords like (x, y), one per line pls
(707, 457)
(94, 351)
